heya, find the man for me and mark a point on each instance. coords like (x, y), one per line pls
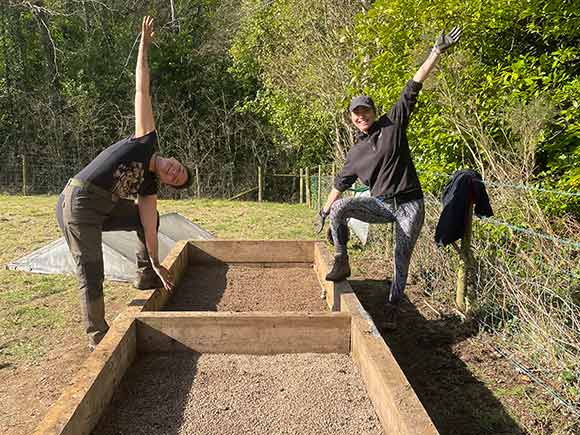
(381, 159)
(96, 200)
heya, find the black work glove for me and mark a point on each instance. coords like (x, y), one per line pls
(320, 220)
(445, 41)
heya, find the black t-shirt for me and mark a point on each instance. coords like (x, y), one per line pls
(381, 158)
(123, 168)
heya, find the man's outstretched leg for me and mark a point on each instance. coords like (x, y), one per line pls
(409, 221)
(84, 242)
(366, 209)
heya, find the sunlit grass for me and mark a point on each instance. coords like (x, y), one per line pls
(34, 306)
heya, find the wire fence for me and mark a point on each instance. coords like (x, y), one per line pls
(524, 283)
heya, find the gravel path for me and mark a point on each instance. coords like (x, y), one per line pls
(247, 288)
(212, 394)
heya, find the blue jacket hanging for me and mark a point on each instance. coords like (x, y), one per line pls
(465, 187)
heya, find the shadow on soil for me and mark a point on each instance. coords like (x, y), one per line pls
(152, 396)
(154, 393)
(457, 402)
(200, 289)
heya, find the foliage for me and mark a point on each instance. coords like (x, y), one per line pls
(67, 83)
(298, 54)
(505, 101)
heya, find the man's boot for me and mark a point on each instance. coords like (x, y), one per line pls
(96, 326)
(340, 269)
(95, 339)
(147, 279)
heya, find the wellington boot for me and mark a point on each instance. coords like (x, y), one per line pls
(147, 279)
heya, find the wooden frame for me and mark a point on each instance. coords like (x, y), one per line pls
(346, 328)
(395, 402)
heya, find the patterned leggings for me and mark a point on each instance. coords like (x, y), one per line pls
(407, 217)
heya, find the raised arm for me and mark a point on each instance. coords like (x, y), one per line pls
(144, 121)
(443, 43)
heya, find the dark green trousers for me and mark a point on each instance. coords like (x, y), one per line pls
(82, 216)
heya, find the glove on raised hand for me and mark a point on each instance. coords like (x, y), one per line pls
(445, 41)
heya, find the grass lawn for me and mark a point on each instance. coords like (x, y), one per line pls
(28, 301)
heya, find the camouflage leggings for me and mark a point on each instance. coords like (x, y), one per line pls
(407, 217)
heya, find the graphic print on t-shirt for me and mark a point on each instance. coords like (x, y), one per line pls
(127, 178)
(123, 168)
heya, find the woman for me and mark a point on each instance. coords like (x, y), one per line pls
(381, 159)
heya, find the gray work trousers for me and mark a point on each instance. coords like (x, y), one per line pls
(407, 217)
(82, 216)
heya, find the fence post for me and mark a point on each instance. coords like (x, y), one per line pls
(260, 187)
(24, 175)
(465, 264)
(307, 182)
(319, 193)
(198, 188)
(301, 185)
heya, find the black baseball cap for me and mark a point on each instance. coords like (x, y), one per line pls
(361, 100)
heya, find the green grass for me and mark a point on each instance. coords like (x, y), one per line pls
(33, 306)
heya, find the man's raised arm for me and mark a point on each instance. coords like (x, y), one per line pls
(144, 121)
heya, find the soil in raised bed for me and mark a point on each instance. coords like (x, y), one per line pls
(242, 288)
(212, 394)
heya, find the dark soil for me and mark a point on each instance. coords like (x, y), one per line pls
(247, 288)
(466, 387)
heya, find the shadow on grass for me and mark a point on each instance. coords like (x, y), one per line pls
(457, 402)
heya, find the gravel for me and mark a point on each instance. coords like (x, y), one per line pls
(212, 394)
(245, 288)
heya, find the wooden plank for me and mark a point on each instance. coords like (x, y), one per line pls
(307, 185)
(177, 261)
(80, 407)
(243, 333)
(251, 251)
(322, 261)
(395, 402)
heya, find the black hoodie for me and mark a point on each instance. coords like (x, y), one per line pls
(381, 158)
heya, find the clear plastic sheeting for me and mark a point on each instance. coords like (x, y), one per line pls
(118, 250)
(359, 228)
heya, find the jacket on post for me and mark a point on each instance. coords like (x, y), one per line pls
(465, 187)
